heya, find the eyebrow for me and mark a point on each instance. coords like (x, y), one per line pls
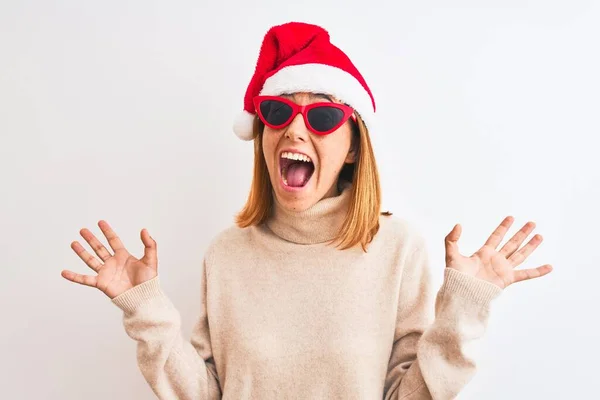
(312, 96)
(320, 96)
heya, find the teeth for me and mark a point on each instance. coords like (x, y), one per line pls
(295, 156)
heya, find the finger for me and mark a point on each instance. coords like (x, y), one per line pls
(498, 234)
(95, 244)
(451, 243)
(525, 274)
(113, 240)
(513, 244)
(89, 259)
(149, 248)
(86, 280)
(520, 256)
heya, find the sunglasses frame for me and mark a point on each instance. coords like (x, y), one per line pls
(296, 108)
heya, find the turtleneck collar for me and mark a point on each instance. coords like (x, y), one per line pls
(320, 223)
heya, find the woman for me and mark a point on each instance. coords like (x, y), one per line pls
(314, 293)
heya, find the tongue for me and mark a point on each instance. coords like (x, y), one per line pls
(298, 174)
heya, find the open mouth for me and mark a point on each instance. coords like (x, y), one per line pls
(296, 169)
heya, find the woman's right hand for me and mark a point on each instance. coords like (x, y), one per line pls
(117, 272)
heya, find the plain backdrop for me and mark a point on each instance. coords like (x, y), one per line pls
(122, 110)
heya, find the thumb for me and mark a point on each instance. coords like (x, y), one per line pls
(149, 248)
(451, 242)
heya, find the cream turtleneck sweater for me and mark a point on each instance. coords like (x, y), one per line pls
(283, 315)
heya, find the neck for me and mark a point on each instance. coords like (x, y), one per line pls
(320, 223)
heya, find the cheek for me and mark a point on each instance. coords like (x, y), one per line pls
(330, 164)
(269, 144)
(332, 153)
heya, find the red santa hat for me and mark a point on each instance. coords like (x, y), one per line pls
(299, 57)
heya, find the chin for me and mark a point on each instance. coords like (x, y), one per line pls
(296, 200)
(297, 206)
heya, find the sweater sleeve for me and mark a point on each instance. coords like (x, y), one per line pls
(435, 359)
(174, 368)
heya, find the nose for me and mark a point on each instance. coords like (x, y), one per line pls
(297, 130)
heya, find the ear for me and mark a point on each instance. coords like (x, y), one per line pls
(352, 152)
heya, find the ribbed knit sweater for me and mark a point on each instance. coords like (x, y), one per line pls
(285, 315)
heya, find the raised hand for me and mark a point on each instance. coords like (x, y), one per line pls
(117, 272)
(497, 267)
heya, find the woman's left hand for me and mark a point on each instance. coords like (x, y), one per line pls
(497, 267)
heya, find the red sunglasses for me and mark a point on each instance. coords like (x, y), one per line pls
(320, 118)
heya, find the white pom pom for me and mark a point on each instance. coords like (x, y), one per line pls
(243, 125)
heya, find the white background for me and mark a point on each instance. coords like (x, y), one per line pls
(123, 110)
